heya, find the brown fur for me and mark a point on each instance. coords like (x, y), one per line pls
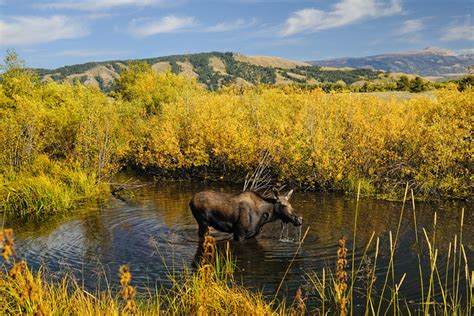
(242, 214)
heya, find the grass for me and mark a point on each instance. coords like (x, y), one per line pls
(46, 188)
(390, 299)
(210, 289)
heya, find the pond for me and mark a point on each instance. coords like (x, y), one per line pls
(155, 233)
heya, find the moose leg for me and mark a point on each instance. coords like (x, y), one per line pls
(244, 227)
(203, 230)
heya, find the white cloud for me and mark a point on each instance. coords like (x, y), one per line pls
(459, 31)
(97, 5)
(167, 24)
(343, 13)
(230, 26)
(25, 30)
(411, 26)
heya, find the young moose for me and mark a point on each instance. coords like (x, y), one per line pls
(242, 214)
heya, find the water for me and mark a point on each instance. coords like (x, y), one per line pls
(155, 233)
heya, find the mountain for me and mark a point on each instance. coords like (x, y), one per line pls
(216, 69)
(432, 62)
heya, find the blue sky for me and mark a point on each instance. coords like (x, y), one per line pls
(52, 33)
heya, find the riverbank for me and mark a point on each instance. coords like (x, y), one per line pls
(169, 125)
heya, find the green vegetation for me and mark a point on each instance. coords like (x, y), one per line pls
(214, 80)
(465, 83)
(414, 85)
(169, 125)
(348, 76)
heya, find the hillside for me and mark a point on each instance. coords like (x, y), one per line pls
(216, 69)
(437, 63)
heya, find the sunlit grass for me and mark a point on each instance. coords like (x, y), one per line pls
(210, 288)
(47, 188)
(388, 298)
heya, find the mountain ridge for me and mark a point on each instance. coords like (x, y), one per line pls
(432, 62)
(215, 69)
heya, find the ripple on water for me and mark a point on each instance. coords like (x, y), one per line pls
(156, 231)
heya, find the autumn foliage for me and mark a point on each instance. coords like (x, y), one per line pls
(168, 124)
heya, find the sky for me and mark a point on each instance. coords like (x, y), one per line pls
(53, 33)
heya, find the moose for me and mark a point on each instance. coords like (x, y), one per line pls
(242, 214)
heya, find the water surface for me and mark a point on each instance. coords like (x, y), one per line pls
(155, 233)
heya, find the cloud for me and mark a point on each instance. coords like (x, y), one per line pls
(459, 31)
(342, 13)
(98, 5)
(411, 26)
(26, 30)
(230, 26)
(167, 24)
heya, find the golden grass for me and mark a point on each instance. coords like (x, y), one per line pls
(47, 187)
(211, 290)
(388, 298)
(270, 61)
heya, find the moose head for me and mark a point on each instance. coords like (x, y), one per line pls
(283, 209)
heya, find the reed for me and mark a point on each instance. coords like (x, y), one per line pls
(383, 298)
(210, 289)
(53, 188)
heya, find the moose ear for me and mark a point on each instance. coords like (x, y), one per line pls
(275, 193)
(288, 195)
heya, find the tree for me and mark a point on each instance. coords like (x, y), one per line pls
(403, 84)
(417, 85)
(365, 87)
(466, 82)
(16, 79)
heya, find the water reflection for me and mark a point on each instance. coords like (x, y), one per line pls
(155, 231)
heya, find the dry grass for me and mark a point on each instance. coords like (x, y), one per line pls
(101, 71)
(187, 69)
(388, 298)
(270, 61)
(211, 290)
(217, 65)
(402, 95)
(162, 66)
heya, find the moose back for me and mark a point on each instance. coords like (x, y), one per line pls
(243, 214)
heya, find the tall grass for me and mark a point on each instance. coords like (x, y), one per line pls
(210, 288)
(387, 297)
(46, 188)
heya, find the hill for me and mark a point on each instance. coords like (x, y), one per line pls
(216, 69)
(437, 63)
